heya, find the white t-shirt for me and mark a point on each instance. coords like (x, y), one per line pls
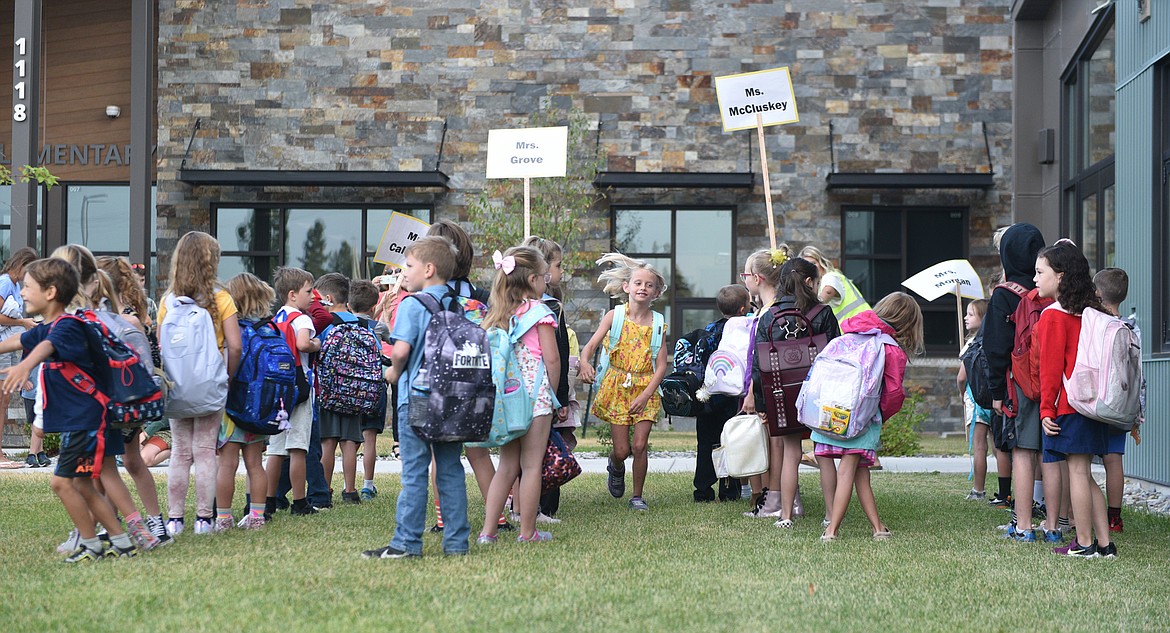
(303, 322)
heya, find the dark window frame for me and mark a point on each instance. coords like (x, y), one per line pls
(1160, 182)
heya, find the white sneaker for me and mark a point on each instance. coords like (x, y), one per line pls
(203, 526)
(71, 543)
(544, 518)
(174, 528)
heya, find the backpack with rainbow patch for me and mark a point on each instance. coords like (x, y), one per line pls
(729, 369)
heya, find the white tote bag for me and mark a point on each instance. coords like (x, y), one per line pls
(745, 446)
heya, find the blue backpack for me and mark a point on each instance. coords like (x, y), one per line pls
(615, 333)
(266, 381)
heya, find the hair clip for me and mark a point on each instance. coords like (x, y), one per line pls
(506, 264)
(1065, 240)
(778, 257)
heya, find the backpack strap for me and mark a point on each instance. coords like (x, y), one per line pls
(657, 335)
(1015, 288)
(615, 328)
(521, 324)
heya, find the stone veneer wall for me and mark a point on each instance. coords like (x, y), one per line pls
(367, 84)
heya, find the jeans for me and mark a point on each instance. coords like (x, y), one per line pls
(317, 491)
(411, 512)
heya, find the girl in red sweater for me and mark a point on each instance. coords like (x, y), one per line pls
(1062, 273)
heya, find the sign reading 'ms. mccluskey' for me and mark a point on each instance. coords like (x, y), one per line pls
(767, 93)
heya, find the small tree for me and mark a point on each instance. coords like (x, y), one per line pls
(28, 173)
(560, 207)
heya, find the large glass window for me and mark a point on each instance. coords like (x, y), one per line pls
(257, 239)
(1089, 213)
(6, 220)
(691, 247)
(98, 217)
(885, 245)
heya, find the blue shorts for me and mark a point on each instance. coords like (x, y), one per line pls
(1116, 442)
(1078, 436)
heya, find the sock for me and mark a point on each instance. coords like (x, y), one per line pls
(223, 513)
(133, 517)
(94, 544)
(438, 514)
(1114, 513)
(300, 503)
(256, 509)
(1062, 524)
(122, 540)
(503, 519)
(368, 483)
(270, 505)
(1038, 492)
(1005, 487)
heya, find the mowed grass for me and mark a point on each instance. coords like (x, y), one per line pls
(679, 567)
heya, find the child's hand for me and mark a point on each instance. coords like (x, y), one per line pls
(563, 414)
(15, 379)
(639, 404)
(1050, 427)
(586, 373)
(749, 403)
(28, 385)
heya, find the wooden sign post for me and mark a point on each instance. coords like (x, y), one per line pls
(526, 153)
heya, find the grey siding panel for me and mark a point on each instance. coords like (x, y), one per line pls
(1149, 461)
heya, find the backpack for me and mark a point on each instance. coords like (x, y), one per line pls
(266, 380)
(456, 371)
(745, 446)
(1106, 379)
(978, 371)
(194, 367)
(691, 353)
(289, 333)
(512, 411)
(841, 394)
(349, 368)
(729, 369)
(785, 361)
(1025, 372)
(122, 383)
(615, 333)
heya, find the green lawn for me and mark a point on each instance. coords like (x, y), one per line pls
(680, 566)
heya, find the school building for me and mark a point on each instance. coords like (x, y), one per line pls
(290, 130)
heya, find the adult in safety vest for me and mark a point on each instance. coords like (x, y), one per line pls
(836, 290)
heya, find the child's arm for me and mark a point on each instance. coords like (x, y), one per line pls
(305, 341)
(399, 356)
(639, 403)
(234, 343)
(550, 355)
(18, 375)
(11, 344)
(893, 393)
(961, 378)
(586, 373)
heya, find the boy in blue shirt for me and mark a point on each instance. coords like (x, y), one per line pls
(429, 263)
(62, 344)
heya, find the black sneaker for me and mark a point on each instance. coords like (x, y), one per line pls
(1000, 502)
(436, 529)
(1039, 511)
(351, 497)
(43, 459)
(388, 552)
(301, 508)
(506, 526)
(113, 551)
(616, 482)
(1109, 551)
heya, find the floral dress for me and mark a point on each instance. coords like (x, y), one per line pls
(630, 371)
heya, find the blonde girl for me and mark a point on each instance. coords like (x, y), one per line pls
(194, 271)
(977, 419)
(898, 316)
(521, 278)
(628, 394)
(254, 300)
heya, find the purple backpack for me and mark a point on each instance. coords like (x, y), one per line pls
(841, 393)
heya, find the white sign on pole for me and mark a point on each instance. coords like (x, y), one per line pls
(942, 278)
(536, 152)
(767, 93)
(401, 231)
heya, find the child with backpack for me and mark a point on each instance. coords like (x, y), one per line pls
(253, 299)
(874, 342)
(363, 296)
(61, 342)
(788, 337)
(731, 301)
(632, 366)
(430, 261)
(1112, 288)
(976, 418)
(1062, 274)
(294, 287)
(200, 334)
(761, 277)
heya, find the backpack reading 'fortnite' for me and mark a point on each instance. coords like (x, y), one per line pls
(195, 371)
(452, 398)
(785, 358)
(1106, 380)
(512, 413)
(691, 353)
(266, 381)
(841, 394)
(729, 368)
(349, 367)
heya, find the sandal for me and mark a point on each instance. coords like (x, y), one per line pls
(8, 464)
(883, 535)
(828, 538)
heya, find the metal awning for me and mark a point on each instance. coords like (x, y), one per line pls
(909, 181)
(303, 178)
(674, 180)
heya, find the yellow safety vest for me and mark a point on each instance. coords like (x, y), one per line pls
(851, 304)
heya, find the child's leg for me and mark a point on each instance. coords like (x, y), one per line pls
(481, 464)
(369, 453)
(36, 442)
(273, 467)
(1022, 486)
(329, 458)
(1081, 486)
(225, 476)
(790, 471)
(206, 436)
(115, 489)
(533, 446)
(1052, 493)
(620, 436)
(452, 482)
(866, 499)
(143, 480)
(506, 473)
(349, 465)
(254, 466)
(980, 431)
(98, 506)
(179, 468)
(828, 468)
(75, 505)
(296, 472)
(775, 463)
(1114, 479)
(641, 456)
(846, 474)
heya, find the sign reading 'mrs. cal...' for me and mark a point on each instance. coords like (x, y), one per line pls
(765, 92)
(535, 152)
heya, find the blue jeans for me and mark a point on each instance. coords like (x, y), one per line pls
(412, 501)
(317, 492)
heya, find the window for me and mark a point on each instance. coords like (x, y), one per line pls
(884, 245)
(1161, 251)
(1089, 207)
(97, 217)
(691, 247)
(6, 220)
(320, 239)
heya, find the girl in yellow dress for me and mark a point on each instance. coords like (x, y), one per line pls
(628, 394)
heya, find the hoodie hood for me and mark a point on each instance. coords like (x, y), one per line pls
(1017, 252)
(867, 321)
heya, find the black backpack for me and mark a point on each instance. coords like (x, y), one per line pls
(691, 352)
(975, 363)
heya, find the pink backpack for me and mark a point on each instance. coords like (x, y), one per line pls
(1106, 380)
(844, 387)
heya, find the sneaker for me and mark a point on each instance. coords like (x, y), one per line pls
(637, 503)
(1000, 502)
(1039, 511)
(1053, 536)
(1109, 551)
(1116, 525)
(175, 527)
(1021, 536)
(506, 526)
(616, 482)
(825, 522)
(70, 544)
(82, 554)
(302, 508)
(222, 524)
(1076, 550)
(368, 494)
(544, 518)
(251, 522)
(142, 535)
(43, 459)
(436, 529)
(976, 495)
(113, 551)
(786, 524)
(204, 526)
(388, 552)
(484, 539)
(537, 537)
(351, 497)
(31, 461)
